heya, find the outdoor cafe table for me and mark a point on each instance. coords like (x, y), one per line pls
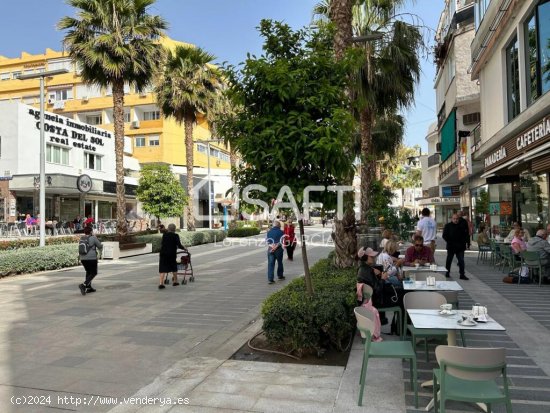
(439, 286)
(423, 269)
(433, 320)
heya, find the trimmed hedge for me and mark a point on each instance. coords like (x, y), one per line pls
(243, 232)
(303, 324)
(52, 257)
(18, 243)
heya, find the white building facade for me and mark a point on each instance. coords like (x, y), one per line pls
(73, 149)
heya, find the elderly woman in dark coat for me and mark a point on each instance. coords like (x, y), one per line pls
(168, 256)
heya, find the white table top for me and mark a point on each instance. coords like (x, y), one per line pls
(439, 286)
(432, 319)
(424, 268)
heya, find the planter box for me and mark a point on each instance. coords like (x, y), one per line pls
(112, 250)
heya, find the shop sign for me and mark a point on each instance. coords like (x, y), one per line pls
(532, 137)
(448, 200)
(495, 157)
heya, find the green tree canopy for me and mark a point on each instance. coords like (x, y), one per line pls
(295, 126)
(160, 191)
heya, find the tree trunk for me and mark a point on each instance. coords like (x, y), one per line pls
(307, 275)
(233, 162)
(340, 13)
(188, 126)
(344, 235)
(345, 240)
(118, 116)
(365, 123)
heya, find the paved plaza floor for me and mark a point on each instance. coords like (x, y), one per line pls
(132, 348)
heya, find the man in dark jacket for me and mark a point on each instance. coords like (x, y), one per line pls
(456, 239)
(463, 222)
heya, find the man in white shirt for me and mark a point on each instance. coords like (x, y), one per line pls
(427, 228)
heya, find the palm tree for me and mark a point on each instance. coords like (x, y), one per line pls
(114, 42)
(188, 84)
(387, 78)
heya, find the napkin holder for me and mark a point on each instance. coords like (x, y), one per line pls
(479, 312)
(430, 281)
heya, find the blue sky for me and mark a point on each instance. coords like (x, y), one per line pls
(223, 27)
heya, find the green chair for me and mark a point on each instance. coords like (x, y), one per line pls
(532, 260)
(384, 349)
(423, 300)
(483, 251)
(367, 294)
(495, 251)
(468, 375)
(507, 259)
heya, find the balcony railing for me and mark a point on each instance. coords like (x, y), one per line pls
(434, 159)
(476, 134)
(448, 166)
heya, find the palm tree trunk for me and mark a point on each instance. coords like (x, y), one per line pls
(344, 235)
(118, 116)
(188, 126)
(367, 167)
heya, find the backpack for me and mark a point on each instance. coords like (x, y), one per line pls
(83, 246)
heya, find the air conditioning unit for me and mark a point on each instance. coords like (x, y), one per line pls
(85, 98)
(59, 104)
(135, 124)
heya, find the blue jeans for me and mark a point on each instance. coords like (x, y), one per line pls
(271, 258)
(459, 257)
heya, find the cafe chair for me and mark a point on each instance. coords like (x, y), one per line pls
(384, 349)
(532, 260)
(367, 294)
(495, 252)
(469, 375)
(483, 251)
(423, 300)
(507, 259)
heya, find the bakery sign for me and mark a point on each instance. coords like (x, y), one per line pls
(527, 140)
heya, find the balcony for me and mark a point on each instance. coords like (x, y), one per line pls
(434, 159)
(476, 138)
(448, 173)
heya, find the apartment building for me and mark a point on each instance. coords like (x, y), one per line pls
(150, 136)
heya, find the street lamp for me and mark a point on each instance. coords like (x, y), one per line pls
(42, 195)
(367, 37)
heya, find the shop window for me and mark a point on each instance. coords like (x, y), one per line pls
(512, 79)
(92, 161)
(500, 208)
(532, 204)
(57, 154)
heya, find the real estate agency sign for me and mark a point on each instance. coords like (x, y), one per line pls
(526, 141)
(78, 137)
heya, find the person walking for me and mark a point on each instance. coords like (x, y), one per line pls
(457, 239)
(168, 256)
(87, 248)
(290, 239)
(275, 238)
(427, 229)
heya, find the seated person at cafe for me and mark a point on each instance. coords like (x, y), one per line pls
(418, 253)
(518, 243)
(89, 221)
(77, 222)
(390, 264)
(515, 226)
(482, 237)
(540, 244)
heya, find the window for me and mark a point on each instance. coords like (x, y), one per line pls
(224, 157)
(140, 141)
(60, 64)
(537, 52)
(543, 15)
(512, 79)
(151, 115)
(16, 75)
(93, 119)
(61, 94)
(480, 9)
(92, 161)
(5, 76)
(57, 154)
(126, 116)
(154, 141)
(201, 148)
(0, 147)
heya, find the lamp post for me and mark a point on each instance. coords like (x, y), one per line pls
(42, 194)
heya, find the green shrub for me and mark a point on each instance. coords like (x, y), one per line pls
(64, 250)
(305, 324)
(31, 259)
(243, 232)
